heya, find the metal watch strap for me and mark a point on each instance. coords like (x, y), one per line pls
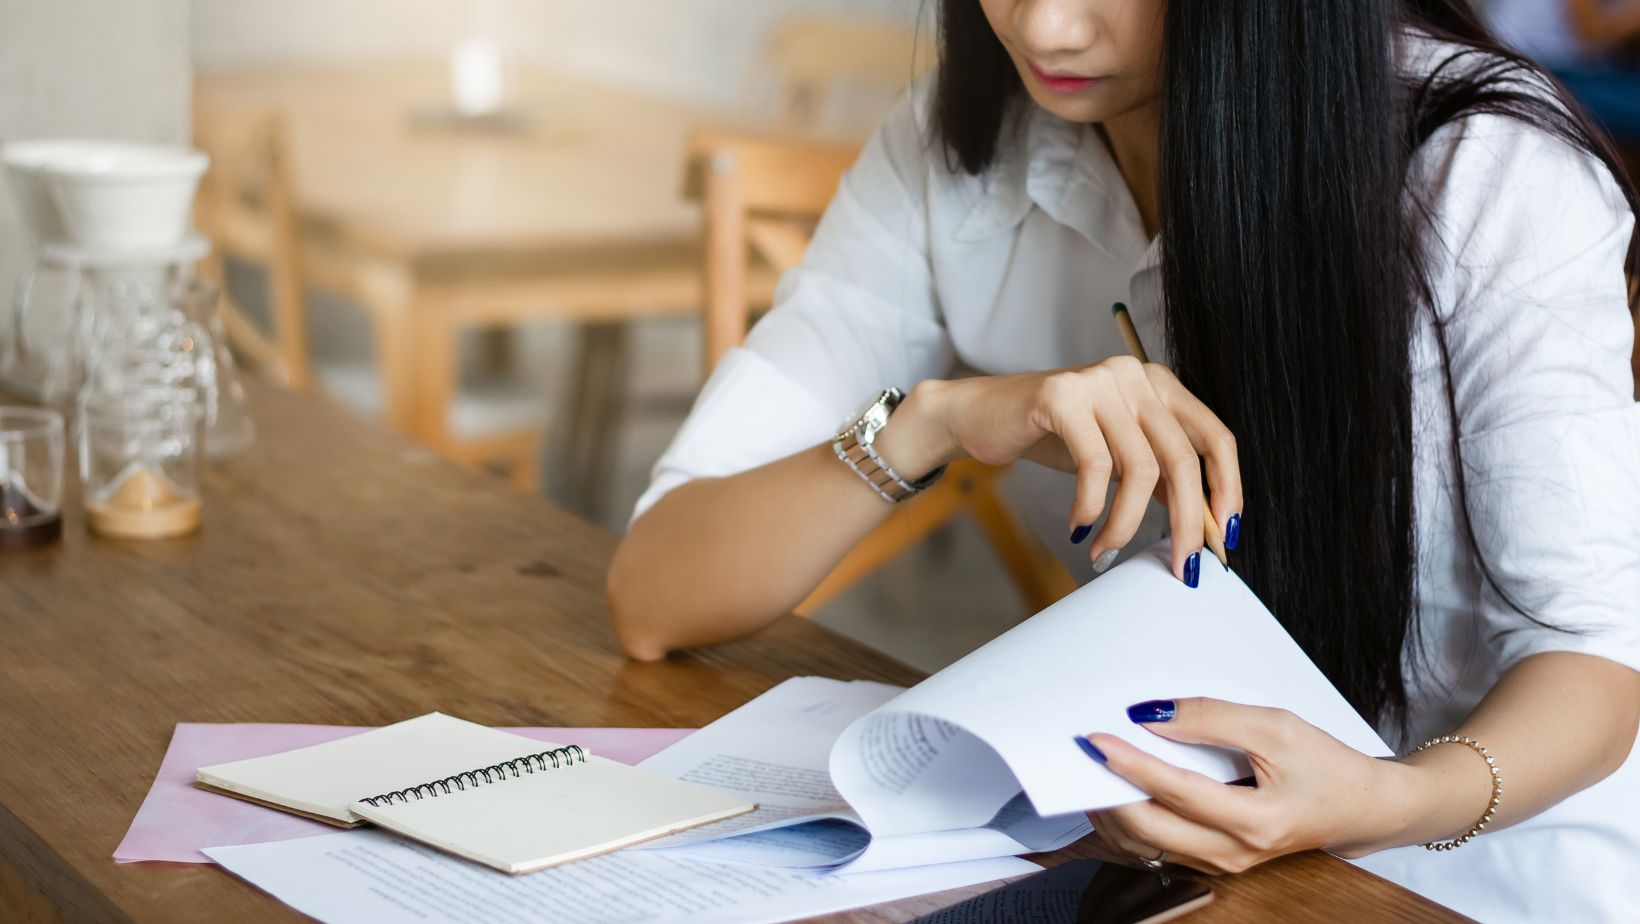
(863, 459)
(871, 468)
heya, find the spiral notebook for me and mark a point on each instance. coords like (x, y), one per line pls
(500, 799)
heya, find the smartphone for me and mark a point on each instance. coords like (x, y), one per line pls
(1082, 892)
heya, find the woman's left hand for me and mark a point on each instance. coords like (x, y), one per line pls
(1313, 791)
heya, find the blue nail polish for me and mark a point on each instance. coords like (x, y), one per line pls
(1155, 710)
(1193, 569)
(1232, 531)
(1091, 749)
(1079, 534)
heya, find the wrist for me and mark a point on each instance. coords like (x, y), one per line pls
(1397, 804)
(1426, 796)
(916, 441)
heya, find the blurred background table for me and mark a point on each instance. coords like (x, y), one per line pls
(564, 206)
(349, 576)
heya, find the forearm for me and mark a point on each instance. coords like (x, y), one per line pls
(1555, 723)
(720, 558)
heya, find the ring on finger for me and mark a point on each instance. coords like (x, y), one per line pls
(1154, 863)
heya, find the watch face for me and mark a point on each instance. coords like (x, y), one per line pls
(860, 415)
(868, 420)
(874, 417)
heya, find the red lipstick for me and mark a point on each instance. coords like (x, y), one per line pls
(1062, 83)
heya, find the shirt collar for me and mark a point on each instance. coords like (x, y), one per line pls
(1065, 169)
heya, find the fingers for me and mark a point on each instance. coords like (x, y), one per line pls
(1145, 829)
(1122, 418)
(1204, 801)
(1258, 730)
(1181, 470)
(1069, 408)
(1121, 843)
(1212, 440)
(1091, 457)
(1111, 830)
(1139, 472)
(1150, 445)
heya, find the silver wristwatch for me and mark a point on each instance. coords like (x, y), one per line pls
(853, 447)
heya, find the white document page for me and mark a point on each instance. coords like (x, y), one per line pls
(369, 877)
(845, 847)
(1014, 707)
(925, 773)
(773, 751)
(326, 778)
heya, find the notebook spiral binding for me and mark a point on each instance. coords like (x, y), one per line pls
(529, 763)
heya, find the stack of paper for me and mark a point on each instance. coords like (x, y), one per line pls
(369, 877)
(981, 760)
(905, 791)
(365, 877)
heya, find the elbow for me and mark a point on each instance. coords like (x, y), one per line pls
(1619, 686)
(1628, 727)
(1613, 752)
(634, 627)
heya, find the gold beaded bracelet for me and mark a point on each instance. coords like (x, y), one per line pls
(1497, 789)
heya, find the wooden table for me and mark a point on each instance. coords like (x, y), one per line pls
(432, 229)
(346, 576)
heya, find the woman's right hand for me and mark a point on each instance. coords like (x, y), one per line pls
(1120, 419)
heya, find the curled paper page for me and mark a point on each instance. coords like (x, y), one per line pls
(955, 748)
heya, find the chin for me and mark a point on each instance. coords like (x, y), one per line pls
(1079, 108)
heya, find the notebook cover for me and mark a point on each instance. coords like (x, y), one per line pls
(333, 822)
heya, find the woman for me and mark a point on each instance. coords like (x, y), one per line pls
(1374, 249)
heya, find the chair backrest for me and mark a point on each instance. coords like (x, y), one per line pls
(761, 199)
(247, 206)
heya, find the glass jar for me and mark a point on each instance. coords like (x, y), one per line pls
(139, 338)
(74, 301)
(31, 477)
(39, 358)
(229, 429)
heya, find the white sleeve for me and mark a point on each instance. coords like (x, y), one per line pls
(1535, 313)
(858, 316)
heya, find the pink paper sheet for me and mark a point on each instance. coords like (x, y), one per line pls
(177, 819)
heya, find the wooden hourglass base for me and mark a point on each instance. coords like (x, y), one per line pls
(175, 519)
(144, 505)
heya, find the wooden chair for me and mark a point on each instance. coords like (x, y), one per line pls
(247, 205)
(762, 199)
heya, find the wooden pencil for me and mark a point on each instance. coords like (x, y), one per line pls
(1212, 532)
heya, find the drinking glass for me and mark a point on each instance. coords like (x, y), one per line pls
(31, 477)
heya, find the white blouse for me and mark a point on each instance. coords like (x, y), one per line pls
(918, 272)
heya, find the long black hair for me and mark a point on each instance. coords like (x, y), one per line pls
(1293, 265)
